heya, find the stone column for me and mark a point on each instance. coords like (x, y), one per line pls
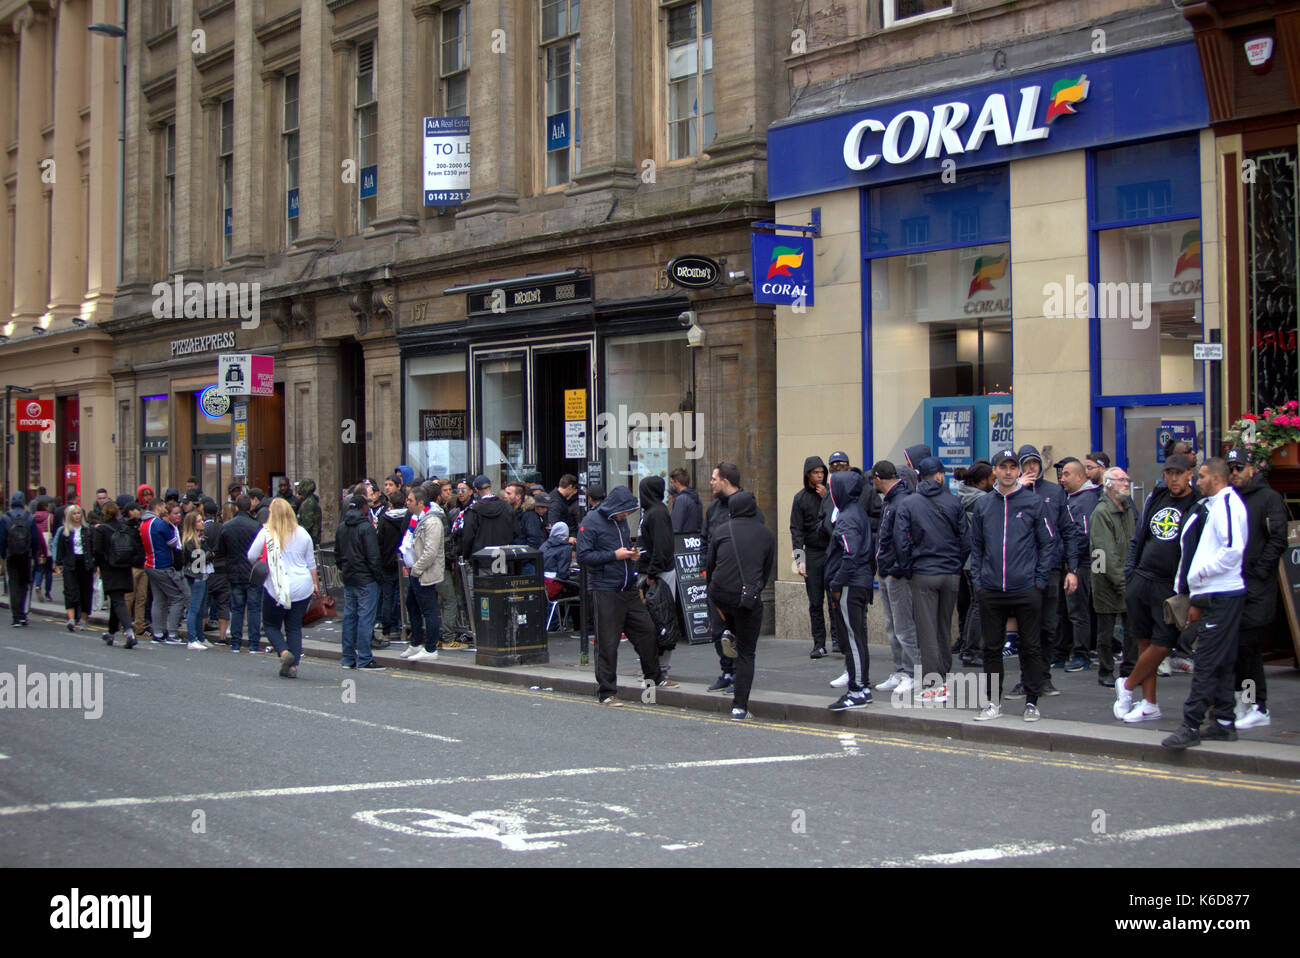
(138, 269)
(399, 121)
(105, 91)
(31, 255)
(493, 105)
(8, 106)
(608, 114)
(311, 393)
(197, 231)
(248, 237)
(68, 264)
(318, 153)
(383, 405)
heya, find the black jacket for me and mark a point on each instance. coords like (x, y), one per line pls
(115, 578)
(1081, 505)
(356, 549)
(848, 560)
(656, 537)
(564, 510)
(687, 513)
(806, 529)
(600, 536)
(63, 554)
(528, 528)
(392, 526)
(1058, 514)
(907, 469)
(1013, 544)
(233, 542)
(718, 513)
(888, 562)
(742, 545)
(1160, 498)
(211, 538)
(1266, 518)
(488, 522)
(931, 533)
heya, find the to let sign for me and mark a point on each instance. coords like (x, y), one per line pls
(35, 415)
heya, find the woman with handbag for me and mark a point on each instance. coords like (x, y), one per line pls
(284, 559)
(74, 559)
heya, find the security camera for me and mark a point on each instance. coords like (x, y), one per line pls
(686, 318)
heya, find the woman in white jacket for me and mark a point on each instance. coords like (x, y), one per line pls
(290, 583)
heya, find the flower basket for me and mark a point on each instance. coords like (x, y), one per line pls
(1287, 454)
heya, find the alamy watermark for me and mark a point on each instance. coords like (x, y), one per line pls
(1130, 302)
(181, 300)
(56, 690)
(657, 430)
(75, 911)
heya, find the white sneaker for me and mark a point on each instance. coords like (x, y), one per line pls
(936, 695)
(1240, 708)
(989, 713)
(1123, 700)
(207, 644)
(907, 684)
(1164, 669)
(888, 685)
(410, 651)
(1143, 712)
(1254, 717)
(423, 655)
(197, 647)
(843, 680)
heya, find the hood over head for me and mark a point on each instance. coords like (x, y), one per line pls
(846, 487)
(743, 505)
(140, 491)
(619, 500)
(1028, 452)
(916, 453)
(18, 501)
(559, 532)
(930, 487)
(809, 464)
(406, 472)
(306, 487)
(652, 491)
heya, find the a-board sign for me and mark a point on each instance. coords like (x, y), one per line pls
(1288, 572)
(692, 591)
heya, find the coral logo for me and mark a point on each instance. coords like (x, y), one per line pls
(987, 269)
(784, 259)
(1066, 93)
(1189, 257)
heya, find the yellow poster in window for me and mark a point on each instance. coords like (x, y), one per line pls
(575, 404)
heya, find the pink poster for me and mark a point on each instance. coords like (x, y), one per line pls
(263, 375)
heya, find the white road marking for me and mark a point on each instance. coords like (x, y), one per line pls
(135, 802)
(3, 756)
(343, 718)
(681, 847)
(84, 665)
(849, 743)
(995, 853)
(560, 817)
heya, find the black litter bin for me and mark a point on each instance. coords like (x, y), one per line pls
(509, 606)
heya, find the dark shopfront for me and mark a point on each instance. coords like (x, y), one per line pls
(541, 377)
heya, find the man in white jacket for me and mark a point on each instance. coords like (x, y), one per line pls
(1213, 540)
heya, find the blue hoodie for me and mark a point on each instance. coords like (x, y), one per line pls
(600, 535)
(1013, 545)
(18, 513)
(848, 559)
(931, 532)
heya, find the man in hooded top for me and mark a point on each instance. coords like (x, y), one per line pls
(809, 539)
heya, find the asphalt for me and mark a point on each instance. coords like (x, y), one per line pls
(790, 687)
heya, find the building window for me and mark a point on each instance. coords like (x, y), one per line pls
(155, 467)
(367, 127)
(164, 15)
(169, 194)
(562, 119)
(690, 78)
(226, 174)
(454, 62)
(291, 157)
(900, 12)
(436, 436)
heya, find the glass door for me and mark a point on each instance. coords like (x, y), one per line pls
(1139, 435)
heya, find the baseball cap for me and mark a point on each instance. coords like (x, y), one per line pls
(884, 469)
(1004, 455)
(838, 457)
(232, 487)
(929, 466)
(481, 482)
(541, 499)
(1177, 463)
(1237, 455)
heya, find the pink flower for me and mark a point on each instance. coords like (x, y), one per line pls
(1293, 405)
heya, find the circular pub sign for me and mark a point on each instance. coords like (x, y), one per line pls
(694, 272)
(214, 402)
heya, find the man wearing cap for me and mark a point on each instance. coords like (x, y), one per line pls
(1212, 543)
(809, 539)
(896, 593)
(233, 491)
(930, 547)
(1149, 580)
(1067, 548)
(1081, 497)
(1095, 466)
(1013, 553)
(1266, 519)
(604, 552)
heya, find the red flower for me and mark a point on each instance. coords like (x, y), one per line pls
(1251, 416)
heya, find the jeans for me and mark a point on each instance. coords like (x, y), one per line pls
(745, 625)
(390, 610)
(995, 609)
(934, 597)
(45, 574)
(274, 618)
(359, 602)
(425, 629)
(815, 583)
(899, 624)
(246, 595)
(1214, 676)
(198, 607)
(168, 600)
(623, 613)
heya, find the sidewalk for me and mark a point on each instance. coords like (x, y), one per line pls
(788, 686)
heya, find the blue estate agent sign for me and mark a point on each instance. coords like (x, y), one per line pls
(782, 269)
(1111, 99)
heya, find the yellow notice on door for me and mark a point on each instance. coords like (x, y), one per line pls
(575, 404)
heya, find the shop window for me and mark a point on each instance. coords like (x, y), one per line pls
(1271, 270)
(154, 463)
(1161, 179)
(649, 425)
(933, 214)
(29, 462)
(690, 78)
(940, 326)
(436, 438)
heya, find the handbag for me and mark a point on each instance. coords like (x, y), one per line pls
(1176, 609)
(260, 571)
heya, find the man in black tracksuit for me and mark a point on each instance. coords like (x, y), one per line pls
(605, 553)
(849, 575)
(725, 482)
(809, 540)
(1266, 517)
(737, 566)
(1014, 552)
(1067, 544)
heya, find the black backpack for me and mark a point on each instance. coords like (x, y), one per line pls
(20, 537)
(121, 546)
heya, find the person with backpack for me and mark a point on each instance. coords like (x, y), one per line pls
(161, 540)
(74, 559)
(22, 545)
(116, 548)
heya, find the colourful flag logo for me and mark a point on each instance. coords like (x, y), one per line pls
(1189, 257)
(784, 259)
(1065, 93)
(987, 269)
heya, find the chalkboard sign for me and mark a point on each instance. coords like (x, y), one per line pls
(1288, 573)
(692, 591)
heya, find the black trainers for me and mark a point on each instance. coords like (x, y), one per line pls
(371, 666)
(1050, 689)
(1214, 732)
(723, 683)
(130, 642)
(1016, 693)
(818, 652)
(380, 643)
(1184, 738)
(1079, 663)
(108, 638)
(851, 700)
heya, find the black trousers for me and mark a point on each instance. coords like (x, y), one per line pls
(853, 603)
(726, 663)
(745, 625)
(815, 583)
(619, 613)
(1082, 621)
(118, 615)
(995, 609)
(1250, 665)
(19, 571)
(78, 588)
(1049, 625)
(1214, 672)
